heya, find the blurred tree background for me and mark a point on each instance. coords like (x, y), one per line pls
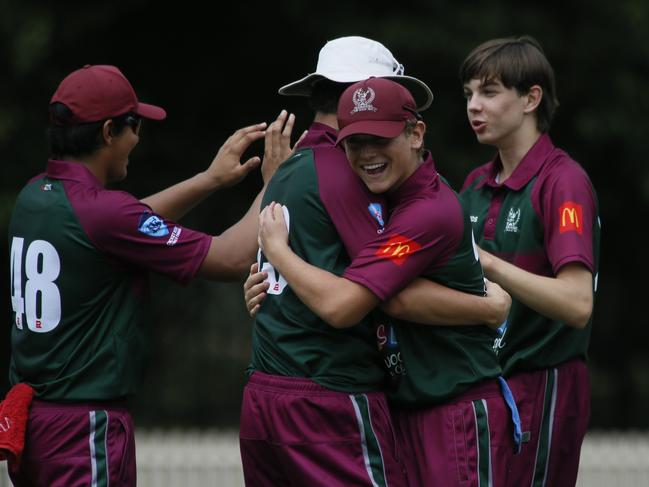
(217, 69)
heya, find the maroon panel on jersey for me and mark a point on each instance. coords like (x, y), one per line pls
(123, 227)
(418, 238)
(345, 197)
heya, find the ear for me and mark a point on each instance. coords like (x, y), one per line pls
(533, 98)
(107, 132)
(417, 135)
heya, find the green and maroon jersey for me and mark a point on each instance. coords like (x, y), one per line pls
(428, 234)
(79, 288)
(325, 199)
(541, 218)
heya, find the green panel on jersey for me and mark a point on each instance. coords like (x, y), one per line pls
(289, 339)
(100, 333)
(531, 341)
(441, 362)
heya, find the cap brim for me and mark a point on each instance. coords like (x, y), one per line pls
(301, 87)
(151, 111)
(419, 90)
(378, 128)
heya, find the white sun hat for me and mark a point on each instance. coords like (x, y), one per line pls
(354, 58)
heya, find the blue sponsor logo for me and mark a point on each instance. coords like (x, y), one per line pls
(152, 225)
(377, 212)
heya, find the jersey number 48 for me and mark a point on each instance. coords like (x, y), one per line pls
(41, 303)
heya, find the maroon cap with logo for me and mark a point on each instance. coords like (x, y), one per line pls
(95, 93)
(375, 106)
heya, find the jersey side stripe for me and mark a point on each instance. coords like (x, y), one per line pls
(545, 433)
(483, 443)
(369, 443)
(98, 448)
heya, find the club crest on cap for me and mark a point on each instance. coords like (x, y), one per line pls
(363, 99)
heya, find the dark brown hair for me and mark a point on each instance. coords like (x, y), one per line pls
(518, 63)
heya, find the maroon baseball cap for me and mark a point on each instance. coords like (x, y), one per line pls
(375, 106)
(95, 93)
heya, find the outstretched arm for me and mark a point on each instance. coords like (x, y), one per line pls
(230, 253)
(567, 297)
(225, 170)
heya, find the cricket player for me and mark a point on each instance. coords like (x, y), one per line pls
(80, 257)
(535, 217)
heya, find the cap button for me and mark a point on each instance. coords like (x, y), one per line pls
(86, 66)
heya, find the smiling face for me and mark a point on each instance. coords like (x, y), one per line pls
(495, 112)
(384, 164)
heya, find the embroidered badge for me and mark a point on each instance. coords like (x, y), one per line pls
(377, 212)
(512, 220)
(398, 249)
(152, 225)
(570, 217)
(363, 99)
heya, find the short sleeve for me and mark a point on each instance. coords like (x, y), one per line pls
(568, 208)
(126, 229)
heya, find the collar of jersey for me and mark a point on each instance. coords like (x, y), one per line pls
(319, 135)
(526, 169)
(73, 171)
(425, 176)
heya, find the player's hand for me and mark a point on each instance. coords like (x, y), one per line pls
(273, 231)
(277, 144)
(254, 289)
(226, 168)
(500, 302)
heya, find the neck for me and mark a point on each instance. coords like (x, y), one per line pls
(329, 119)
(513, 149)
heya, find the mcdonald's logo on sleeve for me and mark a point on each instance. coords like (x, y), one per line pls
(571, 218)
(398, 248)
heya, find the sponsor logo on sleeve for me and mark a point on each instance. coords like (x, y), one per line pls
(571, 218)
(173, 238)
(46, 187)
(398, 249)
(152, 225)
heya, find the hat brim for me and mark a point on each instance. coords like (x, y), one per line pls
(419, 90)
(150, 111)
(379, 128)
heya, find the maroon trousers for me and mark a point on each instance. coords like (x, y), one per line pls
(296, 432)
(554, 405)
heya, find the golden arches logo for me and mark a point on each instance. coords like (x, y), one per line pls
(571, 217)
